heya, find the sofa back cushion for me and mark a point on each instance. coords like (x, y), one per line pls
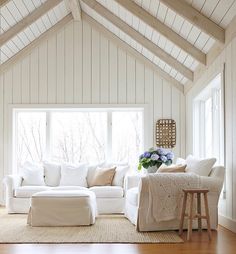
(103, 176)
(74, 175)
(52, 173)
(32, 174)
(119, 176)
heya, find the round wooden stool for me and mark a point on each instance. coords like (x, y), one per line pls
(192, 216)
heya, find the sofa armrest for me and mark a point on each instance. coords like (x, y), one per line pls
(12, 182)
(132, 181)
(211, 183)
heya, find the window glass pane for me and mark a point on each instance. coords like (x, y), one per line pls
(127, 137)
(78, 136)
(30, 139)
(208, 127)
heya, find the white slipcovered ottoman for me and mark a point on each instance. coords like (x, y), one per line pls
(62, 208)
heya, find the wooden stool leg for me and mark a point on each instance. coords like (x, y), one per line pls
(190, 220)
(207, 216)
(182, 214)
(199, 211)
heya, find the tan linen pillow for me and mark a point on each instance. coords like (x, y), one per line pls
(172, 169)
(103, 176)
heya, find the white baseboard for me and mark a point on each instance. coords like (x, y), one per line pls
(227, 223)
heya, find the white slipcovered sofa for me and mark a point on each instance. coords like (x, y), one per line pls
(110, 199)
(137, 198)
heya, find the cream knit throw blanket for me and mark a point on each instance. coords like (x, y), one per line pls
(165, 194)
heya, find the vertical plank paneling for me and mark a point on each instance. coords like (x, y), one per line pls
(182, 138)
(34, 76)
(16, 84)
(52, 70)
(60, 66)
(113, 69)
(130, 79)
(69, 55)
(43, 72)
(95, 66)
(25, 80)
(140, 93)
(121, 76)
(87, 70)
(104, 62)
(166, 103)
(175, 109)
(78, 61)
(1, 134)
(149, 80)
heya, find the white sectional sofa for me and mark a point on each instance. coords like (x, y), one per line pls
(110, 199)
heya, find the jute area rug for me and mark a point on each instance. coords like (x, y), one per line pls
(107, 229)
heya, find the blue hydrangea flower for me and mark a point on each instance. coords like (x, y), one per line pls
(163, 158)
(146, 155)
(170, 156)
(154, 157)
(161, 151)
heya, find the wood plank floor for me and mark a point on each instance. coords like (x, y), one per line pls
(223, 242)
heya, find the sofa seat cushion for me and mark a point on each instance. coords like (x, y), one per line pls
(62, 188)
(28, 191)
(108, 191)
(132, 196)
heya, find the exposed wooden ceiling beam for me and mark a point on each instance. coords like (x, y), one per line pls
(161, 28)
(26, 50)
(75, 8)
(121, 44)
(196, 18)
(3, 2)
(160, 53)
(28, 20)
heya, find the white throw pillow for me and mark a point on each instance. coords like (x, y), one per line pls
(200, 167)
(119, 176)
(52, 173)
(180, 161)
(74, 175)
(32, 174)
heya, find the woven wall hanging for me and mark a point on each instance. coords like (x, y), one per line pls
(166, 133)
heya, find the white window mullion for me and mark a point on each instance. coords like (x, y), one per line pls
(109, 136)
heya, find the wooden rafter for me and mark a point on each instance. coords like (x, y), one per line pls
(3, 2)
(196, 18)
(35, 43)
(161, 28)
(75, 8)
(28, 20)
(160, 53)
(116, 40)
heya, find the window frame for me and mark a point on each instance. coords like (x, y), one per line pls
(109, 108)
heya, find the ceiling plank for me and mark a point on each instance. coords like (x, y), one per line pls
(75, 8)
(161, 28)
(28, 20)
(26, 50)
(3, 2)
(116, 40)
(196, 18)
(160, 53)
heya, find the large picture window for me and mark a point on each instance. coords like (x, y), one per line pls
(208, 122)
(73, 136)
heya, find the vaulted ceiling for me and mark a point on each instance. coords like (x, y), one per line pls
(175, 36)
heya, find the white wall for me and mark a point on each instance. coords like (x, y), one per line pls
(79, 65)
(227, 56)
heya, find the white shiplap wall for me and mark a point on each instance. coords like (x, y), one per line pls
(227, 56)
(79, 65)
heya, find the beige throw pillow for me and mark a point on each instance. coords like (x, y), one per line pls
(103, 176)
(172, 169)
